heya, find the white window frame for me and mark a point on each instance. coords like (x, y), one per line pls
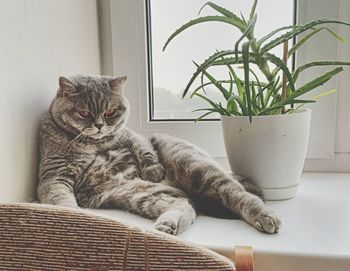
(124, 52)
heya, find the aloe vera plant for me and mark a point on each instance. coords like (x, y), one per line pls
(250, 96)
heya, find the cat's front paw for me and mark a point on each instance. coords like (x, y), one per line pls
(267, 221)
(168, 226)
(153, 173)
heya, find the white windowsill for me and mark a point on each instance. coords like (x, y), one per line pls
(315, 234)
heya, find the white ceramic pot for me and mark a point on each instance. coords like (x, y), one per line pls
(271, 150)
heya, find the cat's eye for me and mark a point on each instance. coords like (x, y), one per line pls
(85, 114)
(110, 113)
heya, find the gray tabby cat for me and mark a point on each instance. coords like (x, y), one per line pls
(88, 158)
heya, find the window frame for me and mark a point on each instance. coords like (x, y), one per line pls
(124, 41)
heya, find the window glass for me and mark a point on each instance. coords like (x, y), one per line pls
(171, 70)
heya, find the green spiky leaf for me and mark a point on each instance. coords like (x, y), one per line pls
(206, 19)
(279, 63)
(227, 13)
(249, 29)
(298, 30)
(245, 54)
(304, 39)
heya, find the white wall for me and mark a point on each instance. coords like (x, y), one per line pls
(39, 40)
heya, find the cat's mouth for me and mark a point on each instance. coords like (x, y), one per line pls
(100, 134)
(97, 135)
(93, 133)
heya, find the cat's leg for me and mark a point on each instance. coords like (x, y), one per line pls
(57, 191)
(151, 169)
(195, 172)
(177, 216)
(57, 181)
(217, 184)
(249, 186)
(169, 206)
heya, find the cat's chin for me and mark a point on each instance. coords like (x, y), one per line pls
(97, 136)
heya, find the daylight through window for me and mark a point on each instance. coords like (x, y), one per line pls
(170, 70)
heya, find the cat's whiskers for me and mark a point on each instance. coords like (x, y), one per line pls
(84, 139)
(72, 144)
(125, 141)
(73, 141)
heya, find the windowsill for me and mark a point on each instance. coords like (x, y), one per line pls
(315, 234)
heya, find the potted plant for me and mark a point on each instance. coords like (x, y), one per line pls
(265, 128)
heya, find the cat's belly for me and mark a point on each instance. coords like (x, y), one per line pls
(108, 170)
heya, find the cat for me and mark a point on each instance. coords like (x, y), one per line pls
(89, 159)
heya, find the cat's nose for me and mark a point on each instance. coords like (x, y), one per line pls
(98, 126)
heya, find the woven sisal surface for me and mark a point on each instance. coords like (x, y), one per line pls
(38, 237)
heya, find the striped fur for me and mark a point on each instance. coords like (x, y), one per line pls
(97, 162)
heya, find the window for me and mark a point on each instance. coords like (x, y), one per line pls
(170, 70)
(125, 51)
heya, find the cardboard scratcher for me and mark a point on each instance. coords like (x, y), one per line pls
(41, 237)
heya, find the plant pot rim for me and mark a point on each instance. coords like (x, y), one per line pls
(302, 110)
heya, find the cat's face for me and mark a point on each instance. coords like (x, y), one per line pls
(91, 106)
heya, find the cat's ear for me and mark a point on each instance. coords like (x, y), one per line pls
(67, 87)
(117, 84)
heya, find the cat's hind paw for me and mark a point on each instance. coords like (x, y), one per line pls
(268, 222)
(153, 173)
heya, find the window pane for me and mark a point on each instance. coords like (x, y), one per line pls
(172, 69)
